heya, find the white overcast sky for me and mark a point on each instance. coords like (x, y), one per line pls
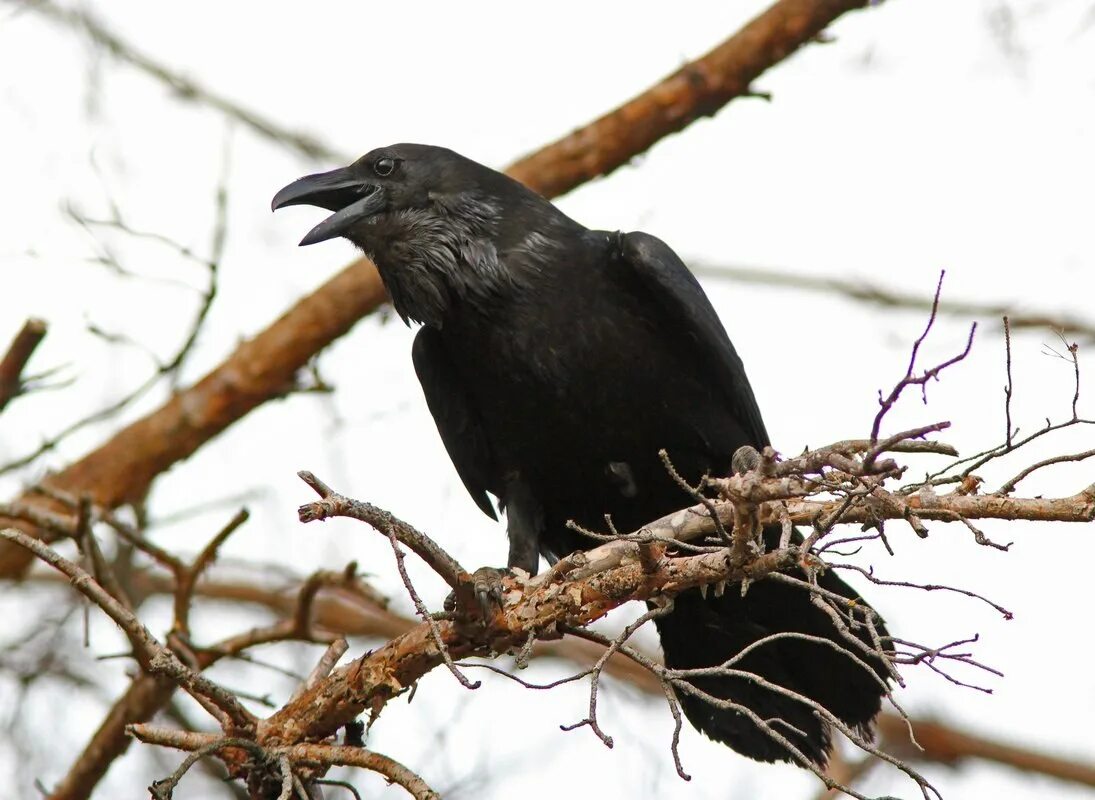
(929, 135)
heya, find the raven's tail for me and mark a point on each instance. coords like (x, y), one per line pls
(707, 632)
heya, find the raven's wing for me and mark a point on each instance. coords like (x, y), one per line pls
(457, 421)
(688, 308)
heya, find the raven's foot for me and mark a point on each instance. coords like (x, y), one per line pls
(487, 585)
(486, 592)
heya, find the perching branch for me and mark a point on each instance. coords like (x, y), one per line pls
(363, 617)
(543, 607)
(539, 607)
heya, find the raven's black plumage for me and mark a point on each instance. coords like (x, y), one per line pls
(557, 361)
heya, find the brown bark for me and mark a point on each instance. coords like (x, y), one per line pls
(353, 618)
(369, 682)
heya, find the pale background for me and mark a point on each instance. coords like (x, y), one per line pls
(929, 135)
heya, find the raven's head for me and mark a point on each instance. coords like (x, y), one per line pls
(386, 181)
(433, 221)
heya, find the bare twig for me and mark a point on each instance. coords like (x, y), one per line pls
(1009, 486)
(333, 504)
(1007, 389)
(696, 493)
(170, 369)
(424, 614)
(188, 577)
(81, 20)
(911, 378)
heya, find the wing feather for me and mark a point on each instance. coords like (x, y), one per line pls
(689, 309)
(457, 421)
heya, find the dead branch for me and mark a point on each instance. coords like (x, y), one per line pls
(149, 692)
(1009, 486)
(358, 619)
(1008, 390)
(339, 611)
(187, 577)
(585, 586)
(370, 681)
(333, 504)
(970, 483)
(15, 360)
(911, 378)
(1079, 507)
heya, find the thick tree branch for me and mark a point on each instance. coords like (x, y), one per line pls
(543, 607)
(584, 587)
(941, 742)
(367, 683)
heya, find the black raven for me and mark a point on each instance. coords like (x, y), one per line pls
(557, 361)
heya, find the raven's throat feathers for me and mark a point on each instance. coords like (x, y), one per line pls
(435, 258)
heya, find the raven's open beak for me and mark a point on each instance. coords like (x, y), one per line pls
(340, 190)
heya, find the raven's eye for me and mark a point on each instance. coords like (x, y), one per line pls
(384, 167)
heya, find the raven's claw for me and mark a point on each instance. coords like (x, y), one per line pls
(487, 582)
(486, 586)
